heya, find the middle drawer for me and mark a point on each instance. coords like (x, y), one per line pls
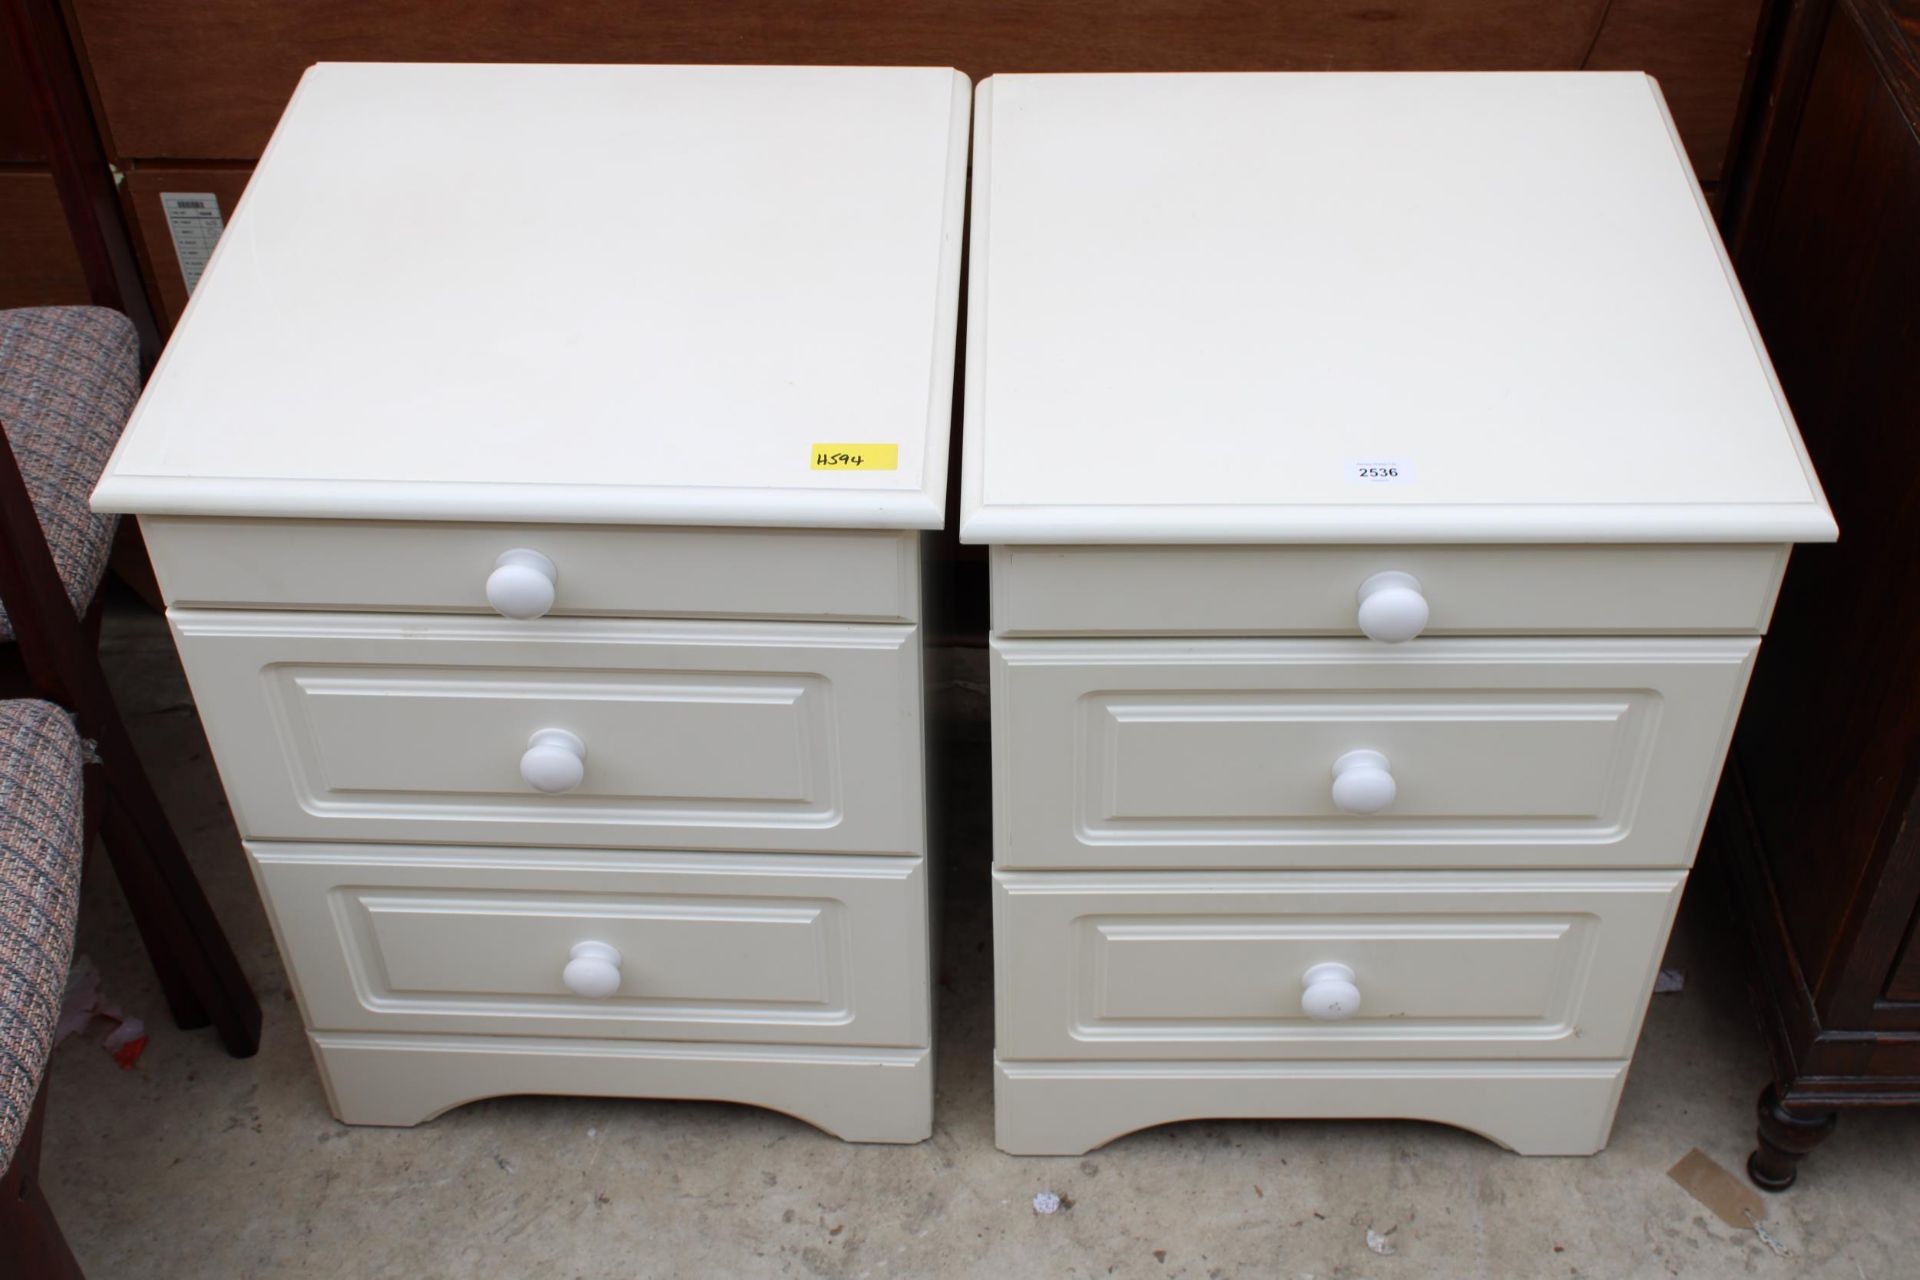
(1225, 753)
(801, 736)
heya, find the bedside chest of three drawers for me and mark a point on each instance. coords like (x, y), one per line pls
(1387, 492)
(534, 482)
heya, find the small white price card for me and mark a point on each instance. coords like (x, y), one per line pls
(1379, 471)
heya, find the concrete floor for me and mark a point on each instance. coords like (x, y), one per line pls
(196, 1165)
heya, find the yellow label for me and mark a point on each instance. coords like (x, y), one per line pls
(856, 457)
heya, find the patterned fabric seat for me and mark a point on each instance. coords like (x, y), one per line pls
(68, 380)
(41, 824)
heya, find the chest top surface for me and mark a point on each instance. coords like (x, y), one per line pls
(574, 293)
(1359, 307)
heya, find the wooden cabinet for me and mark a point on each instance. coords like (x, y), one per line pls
(1815, 824)
(569, 705)
(1385, 495)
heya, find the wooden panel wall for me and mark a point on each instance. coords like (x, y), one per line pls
(191, 84)
(1697, 50)
(19, 129)
(38, 264)
(206, 80)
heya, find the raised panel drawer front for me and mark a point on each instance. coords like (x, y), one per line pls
(1227, 753)
(1314, 590)
(634, 571)
(579, 732)
(1437, 964)
(696, 946)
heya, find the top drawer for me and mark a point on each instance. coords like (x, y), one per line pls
(1314, 590)
(653, 571)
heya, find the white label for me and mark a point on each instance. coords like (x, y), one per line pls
(1379, 471)
(193, 219)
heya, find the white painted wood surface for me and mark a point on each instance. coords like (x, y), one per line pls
(1292, 590)
(574, 715)
(652, 571)
(861, 1095)
(1239, 345)
(770, 948)
(1200, 302)
(1532, 1108)
(697, 735)
(574, 294)
(1220, 753)
(1209, 965)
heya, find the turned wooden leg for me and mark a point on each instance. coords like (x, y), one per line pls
(1785, 1136)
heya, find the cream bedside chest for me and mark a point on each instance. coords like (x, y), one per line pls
(534, 483)
(1387, 493)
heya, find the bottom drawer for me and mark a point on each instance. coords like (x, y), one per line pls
(801, 948)
(1436, 964)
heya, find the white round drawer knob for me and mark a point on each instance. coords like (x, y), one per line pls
(1330, 995)
(1361, 783)
(521, 584)
(593, 971)
(1392, 609)
(555, 761)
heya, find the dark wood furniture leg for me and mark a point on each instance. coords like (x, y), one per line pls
(145, 852)
(1785, 1136)
(81, 171)
(162, 931)
(199, 971)
(31, 1246)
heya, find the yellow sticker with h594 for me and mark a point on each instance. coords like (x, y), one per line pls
(856, 457)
